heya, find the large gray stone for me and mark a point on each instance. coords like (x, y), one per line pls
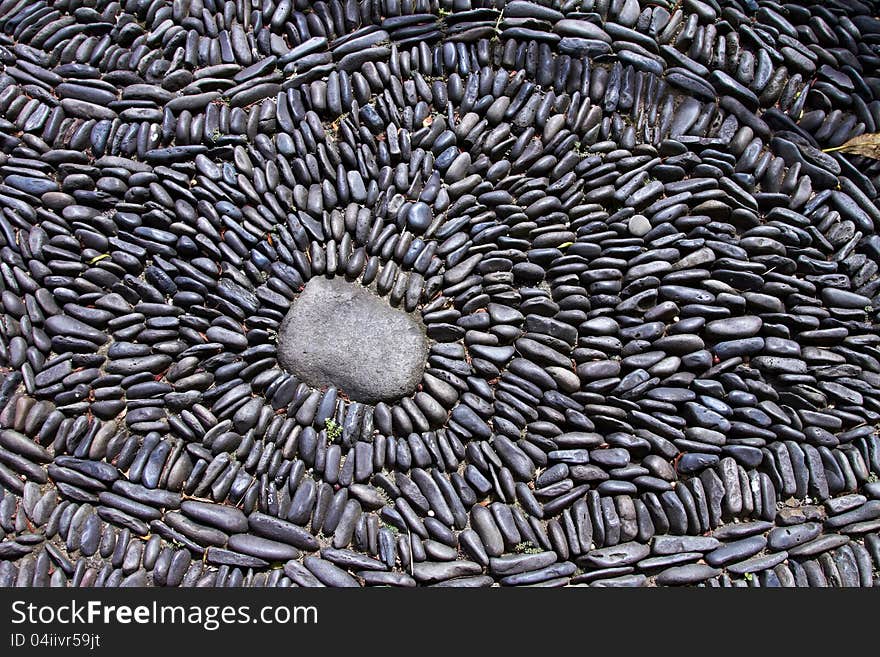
(342, 334)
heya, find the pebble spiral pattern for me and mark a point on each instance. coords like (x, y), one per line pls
(651, 298)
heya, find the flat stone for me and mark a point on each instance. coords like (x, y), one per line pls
(622, 554)
(340, 334)
(689, 574)
(639, 225)
(419, 217)
(665, 544)
(783, 538)
(429, 572)
(513, 564)
(581, 28)
(757, 563)
(733, 328)
(736, 551)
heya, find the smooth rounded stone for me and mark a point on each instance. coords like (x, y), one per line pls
(581, 28)
(666, 544)
(688, 574)
(226, 337)
(837, 298)
(262, 548)
(340, 334)
(736, 551)
(227, 518)
(838, 505)
(623, 554)
(155, 497)
(733, 328)
(742, 347)
(475, 582)
(629, 13)
(153, 364)
(419, 217)
(33, 186)
(512, 564)
(63, 325)
(557, 574)
(351, 560)
(639, 225)
(301, 576)
(779, 365)
(490, 537)
(24, 446)
(84, 109)
(431, 572)
(624, 581)
(329, 574)
(667, 561)
(735, 530)
(378, 578)
(223, 557)
(283, 531)
(783, 538)
(758, 563)
(471, 545)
